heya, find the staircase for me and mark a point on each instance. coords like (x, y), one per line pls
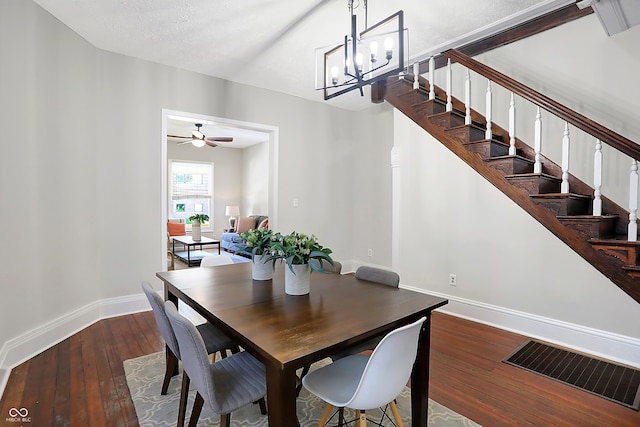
(603, 240)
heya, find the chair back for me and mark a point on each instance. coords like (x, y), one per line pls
(388, 369)
(193, 351)
(212, 260)
(378, 275)
(164, 326)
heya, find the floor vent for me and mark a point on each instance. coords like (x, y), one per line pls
(617, 383)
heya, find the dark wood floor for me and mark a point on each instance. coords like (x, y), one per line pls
(80, 382)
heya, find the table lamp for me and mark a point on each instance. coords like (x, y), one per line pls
(232, 212)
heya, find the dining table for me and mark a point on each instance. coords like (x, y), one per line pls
(289, 332)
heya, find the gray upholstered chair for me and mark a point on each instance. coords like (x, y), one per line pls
(364, 382)
(335, 268)
(376, 275)
(213, 260)
(226, 385)
(216, 340)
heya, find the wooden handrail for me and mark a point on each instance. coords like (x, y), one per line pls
(604, 134)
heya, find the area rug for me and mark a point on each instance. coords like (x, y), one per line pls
(144, 377)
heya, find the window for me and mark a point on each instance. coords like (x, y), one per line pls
(190, 191)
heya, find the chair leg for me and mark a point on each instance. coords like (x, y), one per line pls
(263, 406)
(396, 414)
(361, 418)
(225, 420)
(172, 364)
(197, 409)
(340, 417)
(325, 416)
(184, 395)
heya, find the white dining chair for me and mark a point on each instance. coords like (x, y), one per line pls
(213, 260)
(363, 382)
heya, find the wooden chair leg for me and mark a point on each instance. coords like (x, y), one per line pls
(225, 420)
(396, 414)
(197, 409)
(361, 418)
(172, 364)
(325, 416)
(184, 395)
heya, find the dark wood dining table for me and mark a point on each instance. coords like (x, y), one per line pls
(288, 332)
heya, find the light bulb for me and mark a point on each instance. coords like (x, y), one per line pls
(388, 47)
(334, 75)
(374, 51)
(359, 58)
(198, 142)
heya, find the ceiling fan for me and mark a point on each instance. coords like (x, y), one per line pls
(198, 139)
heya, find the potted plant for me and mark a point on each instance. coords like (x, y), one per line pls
(196, 221)
(257, 243)
(302, 254)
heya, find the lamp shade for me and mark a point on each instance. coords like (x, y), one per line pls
(232, 211)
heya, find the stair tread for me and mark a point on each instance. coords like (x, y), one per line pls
(495, 141)
(620, 240)
(508, 157)
(562, 195)
(605, 217)
(533, 175)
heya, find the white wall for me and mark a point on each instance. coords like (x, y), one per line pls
(81, 137)
(255, 179)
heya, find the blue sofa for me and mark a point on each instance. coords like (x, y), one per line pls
(231, 241)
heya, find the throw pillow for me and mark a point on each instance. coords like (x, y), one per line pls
(264, 224)
(176, 229)
(245, 223)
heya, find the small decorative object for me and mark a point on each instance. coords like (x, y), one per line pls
(302, 254)
(257, 242)
(196, 230)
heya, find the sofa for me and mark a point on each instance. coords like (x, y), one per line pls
(231, 241)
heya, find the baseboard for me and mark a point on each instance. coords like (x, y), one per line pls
(607, 345)
(22, 348)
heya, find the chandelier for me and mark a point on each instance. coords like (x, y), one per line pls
(363, 58)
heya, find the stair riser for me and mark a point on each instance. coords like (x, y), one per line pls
(511, 166)
(429, 108)
(465, 134)
(595, 230)
(487, 149)
(447, 120)
(566, 206)
(536, 185)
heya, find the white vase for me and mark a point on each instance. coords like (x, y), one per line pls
(196, 231)
(298, 283)
(261, 270)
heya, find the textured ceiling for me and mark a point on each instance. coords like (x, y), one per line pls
(269, 43)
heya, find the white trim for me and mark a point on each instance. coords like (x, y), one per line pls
(22, 348)
(606, 345)
(493, 28)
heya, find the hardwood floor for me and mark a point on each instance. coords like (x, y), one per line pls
(80, 381)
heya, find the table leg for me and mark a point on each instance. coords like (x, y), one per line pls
(189, 255)
(281, 397)
(420, 378)
(218, 248)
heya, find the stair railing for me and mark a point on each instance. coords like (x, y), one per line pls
(601, 133)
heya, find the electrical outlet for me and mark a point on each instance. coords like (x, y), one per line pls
(369, 252)
(452, 280)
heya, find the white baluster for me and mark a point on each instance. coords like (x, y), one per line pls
(416, 73)
(512, 126)
(488, 134)
(597, 179)
(449, 104)
(632, 229)
(564, 187)
(537, 166)
(467, 99)
(432, 86)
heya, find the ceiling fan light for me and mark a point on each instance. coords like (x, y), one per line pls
(197, 134)
(198, 142)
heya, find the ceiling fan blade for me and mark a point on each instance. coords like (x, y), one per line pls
(210, 144)
(178, 136)
(218, 139)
